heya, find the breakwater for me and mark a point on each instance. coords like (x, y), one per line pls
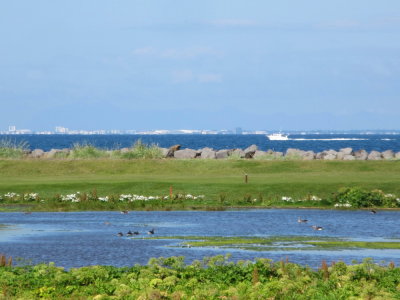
(251, 152)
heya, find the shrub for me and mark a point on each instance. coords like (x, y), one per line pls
(13, 149)
(86, 150)
(142, 150)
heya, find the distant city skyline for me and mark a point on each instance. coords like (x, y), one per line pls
(289, 65)
(14, 130)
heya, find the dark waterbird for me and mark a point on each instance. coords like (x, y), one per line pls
(300, 220)
(120, 234)
(124, 212)
(373, 211)
(136, 233)
(317, 227)
(150, 231)
(129, 233)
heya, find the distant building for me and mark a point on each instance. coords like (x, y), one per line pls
(12, 128)
(61, 130)
(239, 130)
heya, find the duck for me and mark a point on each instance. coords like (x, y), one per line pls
(317, 227)
(300, 220)
(120, 234)
(373, 211)
(136, 233)
(124, 212)
(150, 231)
(129, 233)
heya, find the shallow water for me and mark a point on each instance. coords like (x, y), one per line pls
(75, 239)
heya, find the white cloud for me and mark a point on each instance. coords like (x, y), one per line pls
(210, 77)
(233, 22)
(181, 76)
(144, 51)
(178, 53)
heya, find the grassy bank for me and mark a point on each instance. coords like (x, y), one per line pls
(211, 278)
(222, 182)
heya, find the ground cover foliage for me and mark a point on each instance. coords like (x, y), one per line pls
(212, 278)
(270, 183)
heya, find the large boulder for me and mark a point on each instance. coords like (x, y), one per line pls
(292, 153)
(172, 150)
(164, 152)
(57, 153)
(388, 154)
(374, 155)
(185, 154)
(308, 155)
(221, 154)
(208, 153)
(361, 155)
(397, 155)
(346, 151)
(260, 154)
(37, 153)
(349, 157)
(250, 151)
(237, 153)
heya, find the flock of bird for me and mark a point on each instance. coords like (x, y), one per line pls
(130, 233)
(315, 227)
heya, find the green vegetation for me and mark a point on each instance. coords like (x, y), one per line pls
(11, 149)
(212, 278)
(270, 183)
(278, 243)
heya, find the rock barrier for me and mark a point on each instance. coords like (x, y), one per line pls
(251, 152)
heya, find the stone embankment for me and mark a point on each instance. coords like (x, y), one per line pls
(252, 152)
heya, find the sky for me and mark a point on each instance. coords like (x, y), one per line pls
(209, 64)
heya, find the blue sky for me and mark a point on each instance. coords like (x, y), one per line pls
(143, 64)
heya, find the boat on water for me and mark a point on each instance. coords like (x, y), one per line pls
(278, 137)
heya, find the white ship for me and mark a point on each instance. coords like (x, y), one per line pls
(277, 137)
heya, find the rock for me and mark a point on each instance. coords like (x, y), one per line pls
(260, 154)
(346, 151)
(361, 155)
(330, 156)
(388, 154)
(320, 155)
(308, 155)
(172, 150)
(397, 155)
(292, 153)
(374, 155)
(349, 157)
(278, 155)
(249, 151)
(37, 153)
(237, 153)
(164, 152)
(340, 155)
(221, 154)
(185, 154)
(207, 153)
(53, 153)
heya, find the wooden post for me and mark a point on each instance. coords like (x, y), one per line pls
(246, 179)
(170, 192)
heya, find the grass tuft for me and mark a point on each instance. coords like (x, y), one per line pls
(11, 149)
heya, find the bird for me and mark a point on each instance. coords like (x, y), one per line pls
(150, 231)
(129, 233)
(300, 220)
(317, 227)
(124, 212)
(136, 233)
(373, 211)
(120, 234)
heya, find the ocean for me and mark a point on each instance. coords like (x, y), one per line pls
(314, 142)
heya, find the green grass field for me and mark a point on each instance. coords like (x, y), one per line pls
(215, 179)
